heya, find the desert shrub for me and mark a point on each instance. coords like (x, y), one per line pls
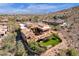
(36, 48)
(9, 43)
(35, 18)
(69, 52)
(12, 26)
(23, 20)
(73, 52)
(9, 39)
(60, 16)
(20, 51)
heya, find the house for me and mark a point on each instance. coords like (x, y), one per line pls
(22, 26)
(54, 22)
(3, 27)
(43, 26)
(4, 20)
(35, 31)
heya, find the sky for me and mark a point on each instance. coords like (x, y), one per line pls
(34, 8)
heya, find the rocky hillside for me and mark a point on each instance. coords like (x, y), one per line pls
(70, 33)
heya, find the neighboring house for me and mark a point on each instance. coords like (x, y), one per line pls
(3, 27)
(54, 22)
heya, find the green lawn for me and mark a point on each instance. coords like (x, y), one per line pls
(53, 40)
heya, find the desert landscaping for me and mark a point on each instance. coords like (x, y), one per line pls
(52, 34)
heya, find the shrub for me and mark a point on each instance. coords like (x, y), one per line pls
(69, 52)
(9, 43)
(20, 49)
(36, 48)
(12, 26)
(73, 52)
(60, 16)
